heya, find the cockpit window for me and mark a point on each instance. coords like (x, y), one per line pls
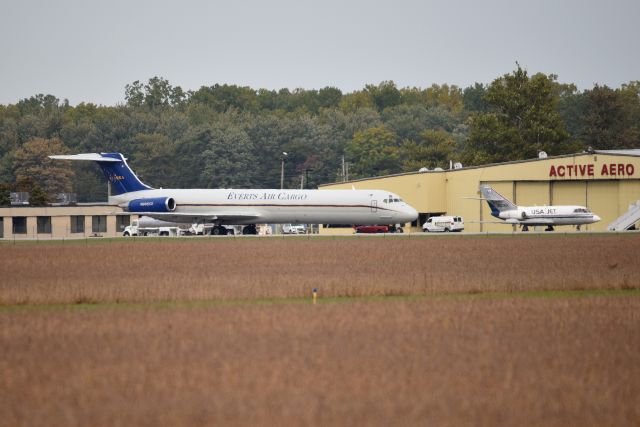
(393, 200)
(580, 210)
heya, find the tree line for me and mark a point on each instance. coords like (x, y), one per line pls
(227, 136)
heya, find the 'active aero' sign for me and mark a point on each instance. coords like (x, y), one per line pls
(608, 170)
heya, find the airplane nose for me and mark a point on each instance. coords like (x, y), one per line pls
(409, 214)
(596, 218)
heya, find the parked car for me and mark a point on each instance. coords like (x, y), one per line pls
(443, 223)
(378, 229)
(294, 229)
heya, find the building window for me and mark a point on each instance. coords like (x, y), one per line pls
(122, 221)
(44, 224)
(19, 225)
(99, 224)
(77, 223)
(1, 227)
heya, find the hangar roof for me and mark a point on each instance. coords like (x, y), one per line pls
(628, 152)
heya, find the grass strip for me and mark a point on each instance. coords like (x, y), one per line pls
(89, 306)
(226, 239)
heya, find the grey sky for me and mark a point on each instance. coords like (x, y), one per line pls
(87, 51)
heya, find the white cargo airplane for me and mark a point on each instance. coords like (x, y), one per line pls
(525, 216)
(246, 207)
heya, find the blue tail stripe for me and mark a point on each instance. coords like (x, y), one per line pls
(121, 177)
(495, 211)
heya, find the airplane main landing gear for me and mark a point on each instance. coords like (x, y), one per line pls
(249, 230)
(549, 228)
(218, 230)
(525, 227)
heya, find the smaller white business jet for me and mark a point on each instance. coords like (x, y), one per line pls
(246, 207)
(504, 209)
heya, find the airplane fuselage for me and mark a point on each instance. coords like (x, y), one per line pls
(251, 206)
(549, 215)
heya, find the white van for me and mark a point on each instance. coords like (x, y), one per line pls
(443, 223)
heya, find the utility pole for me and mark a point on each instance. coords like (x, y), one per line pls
(284, 154)
(343, 170)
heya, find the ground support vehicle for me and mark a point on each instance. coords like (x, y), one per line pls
(138, 228)
(443, 223)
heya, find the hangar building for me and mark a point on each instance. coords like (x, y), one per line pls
(607, 182)
(62, 222)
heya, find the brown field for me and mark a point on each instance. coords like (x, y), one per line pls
(474, 361)
(467, 357)
(206, 269)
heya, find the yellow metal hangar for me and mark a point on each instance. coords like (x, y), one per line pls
(62, 222)
(607, 182)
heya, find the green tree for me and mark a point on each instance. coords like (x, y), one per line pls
(373, 152)
(329, 97)
(221, 98)
(5, 193)
(156, 93)
(228, 159)
(385, 95)
(609, 121)
(435, 148)
(474, 98)
(409, 121)
(446, 96)
(522, 120)
(31, 165)
(354, 101)
(134, 94)
(37, 195)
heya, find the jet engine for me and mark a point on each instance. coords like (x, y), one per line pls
(154, 204)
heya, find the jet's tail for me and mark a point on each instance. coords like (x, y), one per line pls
(497, 202)
(115, 169)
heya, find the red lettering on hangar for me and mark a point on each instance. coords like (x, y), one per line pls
(617, 169)
(608, 169)
(571, 171)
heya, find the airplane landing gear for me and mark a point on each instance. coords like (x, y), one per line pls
(578, 227)
(549, 228)
(249, 230)
(525, 227)
(218, 230)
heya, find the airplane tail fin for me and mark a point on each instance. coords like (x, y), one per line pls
(497, 202)
(115, 169)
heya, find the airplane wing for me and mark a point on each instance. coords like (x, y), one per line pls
(537, 221)
(530, 221)
(491, 222)
(228, 217)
